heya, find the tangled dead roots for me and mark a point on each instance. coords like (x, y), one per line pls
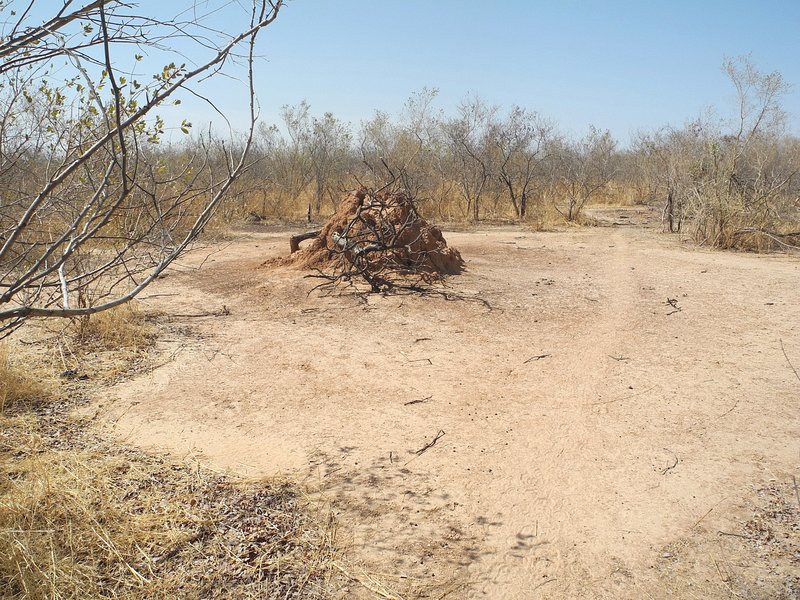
(386, 227)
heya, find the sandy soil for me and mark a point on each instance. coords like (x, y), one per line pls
(594, 441)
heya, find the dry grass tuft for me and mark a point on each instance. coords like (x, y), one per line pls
(544, 217)
(124, 327)
(18, 386)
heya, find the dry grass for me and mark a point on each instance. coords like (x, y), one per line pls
(19, 384)
(82, 517)
(121, 328)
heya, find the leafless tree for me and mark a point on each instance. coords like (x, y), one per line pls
(91, 213)
(583, 168)
(522, 142)
(331, 159)
(469, 137)
(665, 166)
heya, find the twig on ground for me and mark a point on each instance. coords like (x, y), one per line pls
(739, 535)
(796, 492)
(222, 312)
(545, 583)
(708, 512)
(417, 401)
(149, 296)
(423, 339)
(537, 357)
(730, 410)
(673, 465)
(623, 398)
(430, 444)
(788, 361)
(619, 358)
(674, 304)
(332, 471)
(416, 360)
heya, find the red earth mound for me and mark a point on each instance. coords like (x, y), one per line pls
(386, 228)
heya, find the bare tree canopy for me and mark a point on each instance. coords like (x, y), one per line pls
(90, 210)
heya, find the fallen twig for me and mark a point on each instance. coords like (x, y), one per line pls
(674, 304)
(332, 471)
(788, 361)
(421, 340)
(430, 444)
(538, 357)
(623, 398)
(417, 401)
(739, 535)
(730, 410)
(619, 358)
(673, 465)
(545, 583)
(222, 312)
(775, 237)
(428, 360)
(416, 360)
(708, 512)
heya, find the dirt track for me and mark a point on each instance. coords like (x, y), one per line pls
(605, 468)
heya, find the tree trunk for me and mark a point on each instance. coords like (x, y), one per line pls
(670, 210)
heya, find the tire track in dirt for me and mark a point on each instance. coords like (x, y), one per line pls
(562, 429)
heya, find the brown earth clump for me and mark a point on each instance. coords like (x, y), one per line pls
(409, 244)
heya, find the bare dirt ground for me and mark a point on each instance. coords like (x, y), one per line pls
(594, 439)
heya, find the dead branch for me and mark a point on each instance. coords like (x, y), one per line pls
(418, 401)
(430, 444)
(222, 312)
(674, 304)
(96, 221)
(739, 535)
(775, 237)
(673, 465)
(377, 237)
(791, 366)
(294, 241)
(537, 357)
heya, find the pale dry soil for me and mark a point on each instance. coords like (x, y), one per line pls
(594, 441)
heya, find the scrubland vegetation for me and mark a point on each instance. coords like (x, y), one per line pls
(92, 208)
(724, 182)
(98, 198)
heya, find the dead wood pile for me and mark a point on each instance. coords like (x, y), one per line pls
(378, 232)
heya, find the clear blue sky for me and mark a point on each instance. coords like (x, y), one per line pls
(621, 65)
